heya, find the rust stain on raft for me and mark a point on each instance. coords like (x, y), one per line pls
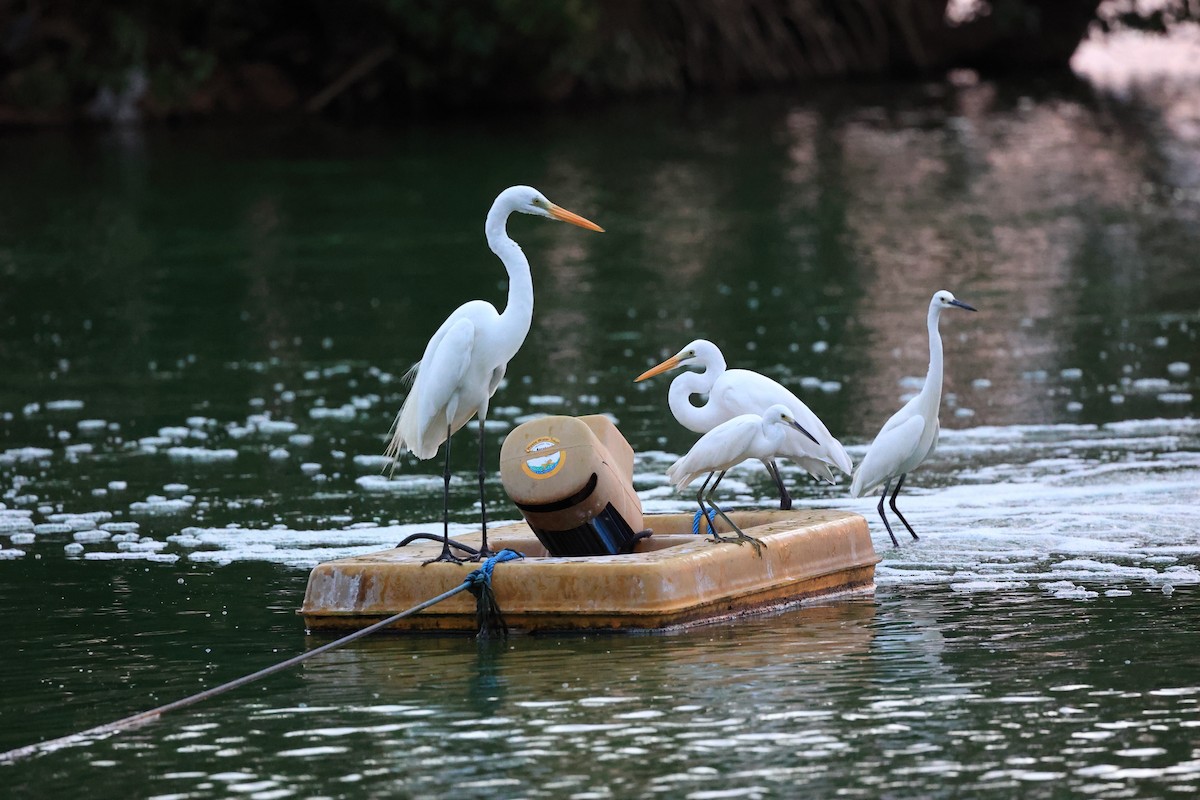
(673, 578)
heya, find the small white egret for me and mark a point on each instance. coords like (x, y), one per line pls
(465, 360)
(910, 435)
(729, 444)
(733, 392)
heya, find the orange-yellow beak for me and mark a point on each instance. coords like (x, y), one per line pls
(670, 363)
(560, 213)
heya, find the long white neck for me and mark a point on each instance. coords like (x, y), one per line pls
(518, 313)
(700, 419)
(931, 392)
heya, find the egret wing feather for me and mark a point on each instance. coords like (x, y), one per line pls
(410, 375)
(440, 377)
(747, 392)
(721, 448)
(421, 425)
(888, 456)
(906, 412)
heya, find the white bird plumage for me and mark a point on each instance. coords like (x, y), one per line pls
(733, 392)
(910, 436)
(762, 436)
(465, 360)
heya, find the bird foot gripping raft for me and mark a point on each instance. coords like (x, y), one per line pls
(572, 480)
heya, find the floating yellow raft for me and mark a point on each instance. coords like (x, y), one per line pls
(672, 578)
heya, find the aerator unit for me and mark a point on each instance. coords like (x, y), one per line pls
(572, 479)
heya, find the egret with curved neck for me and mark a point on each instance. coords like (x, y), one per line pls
(910, 436)
(465, 360)
(733, 392)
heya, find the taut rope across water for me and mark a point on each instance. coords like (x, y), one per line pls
(477, 581)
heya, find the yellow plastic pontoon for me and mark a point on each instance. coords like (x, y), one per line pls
(672, 578)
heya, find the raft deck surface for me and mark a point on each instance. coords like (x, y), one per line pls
(672, 578)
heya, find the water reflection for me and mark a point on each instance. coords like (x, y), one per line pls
(250, 300)
(913, 693)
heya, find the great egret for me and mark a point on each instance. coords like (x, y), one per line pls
(465, 360)
(910, 435)
(729, 444)
(732, 392)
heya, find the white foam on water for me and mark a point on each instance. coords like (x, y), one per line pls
(400, 484)
(201, 454)
(343, 413)
(64, 405)
(141, 547)
(1071, 509)
(158, 558)
(9, 554)
(304, 548)
(13, 522)
(25, 454)
(263, 424)
(160, 506)
(372, 462)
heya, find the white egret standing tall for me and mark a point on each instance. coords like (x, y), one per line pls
(910, 435)
(465, 360)
(745, 436)
(733, 392)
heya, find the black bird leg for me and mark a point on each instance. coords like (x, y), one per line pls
(704, 513)
(896, 511)
(785, 499)
(446, 554)
(484, 552)
(883, 516)
(741, 536)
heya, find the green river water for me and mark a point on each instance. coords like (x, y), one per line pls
(202, 332)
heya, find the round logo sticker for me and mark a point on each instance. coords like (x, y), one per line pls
(543, 466)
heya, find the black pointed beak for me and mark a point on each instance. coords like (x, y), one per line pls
(798, 427)
(961, 304)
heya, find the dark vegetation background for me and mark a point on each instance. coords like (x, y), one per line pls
(69, 60)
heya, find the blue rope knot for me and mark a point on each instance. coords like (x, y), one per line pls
(479, 583)
(484, 573)
(712, 517)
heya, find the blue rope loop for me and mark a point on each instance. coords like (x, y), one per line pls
(487, 610)
(484, 573)
(712, 517)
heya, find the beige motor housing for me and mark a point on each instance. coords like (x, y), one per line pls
(572, 479)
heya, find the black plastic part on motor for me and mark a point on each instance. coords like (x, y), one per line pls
(607, 533)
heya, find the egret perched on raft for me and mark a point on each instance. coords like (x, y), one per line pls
(465, 360)
(732, 392)
(910, 435)
(729, 444)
